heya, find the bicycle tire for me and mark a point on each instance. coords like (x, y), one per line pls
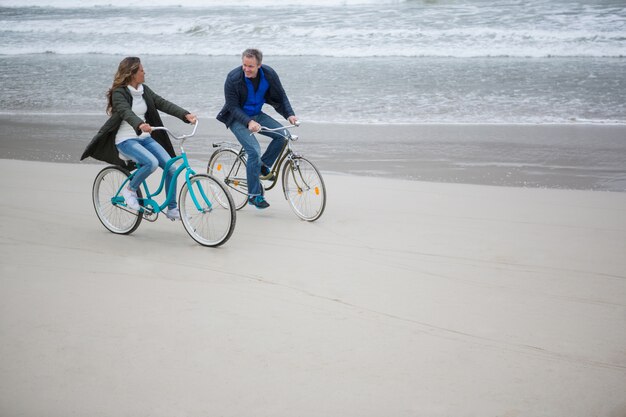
(304, 188)
(214, 224)
(109, 205)
(227, 166)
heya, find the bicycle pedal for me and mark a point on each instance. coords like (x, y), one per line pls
(149, 215)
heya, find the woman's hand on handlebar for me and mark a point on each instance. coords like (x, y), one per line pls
(145, 127)
(191, 118)
(293, 120)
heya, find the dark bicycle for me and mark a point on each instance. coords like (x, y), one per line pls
(302, 182)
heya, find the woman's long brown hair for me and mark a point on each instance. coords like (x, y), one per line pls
(125, 71)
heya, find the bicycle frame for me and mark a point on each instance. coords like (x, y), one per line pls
(302, 183)
(151, 206)
(286, 152)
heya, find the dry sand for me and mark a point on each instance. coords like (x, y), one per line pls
(405, 299)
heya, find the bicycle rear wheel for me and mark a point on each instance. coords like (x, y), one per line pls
(304, 188)
(109, 203)
(207, 210)
(227, 166)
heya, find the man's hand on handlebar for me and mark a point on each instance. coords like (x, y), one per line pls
(253, 126)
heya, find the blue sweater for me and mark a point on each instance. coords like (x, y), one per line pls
(256, 99)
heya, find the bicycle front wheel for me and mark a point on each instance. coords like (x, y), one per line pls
(109, 204)
(304, 188)
(207, 210)
(227, 166)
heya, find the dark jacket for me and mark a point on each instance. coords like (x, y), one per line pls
(102, 146)
(236, 94)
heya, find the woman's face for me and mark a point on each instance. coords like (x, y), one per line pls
(139, 77)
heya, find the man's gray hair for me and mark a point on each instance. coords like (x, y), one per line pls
(253, 53)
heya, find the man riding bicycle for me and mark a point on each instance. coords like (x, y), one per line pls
(246, 90)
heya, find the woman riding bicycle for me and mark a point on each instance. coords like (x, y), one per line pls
(133, 108)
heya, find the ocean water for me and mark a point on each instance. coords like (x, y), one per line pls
(341, 61)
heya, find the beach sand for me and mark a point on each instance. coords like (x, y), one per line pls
(406, 298)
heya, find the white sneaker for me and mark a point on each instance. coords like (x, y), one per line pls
(130, 197)
(172, 214)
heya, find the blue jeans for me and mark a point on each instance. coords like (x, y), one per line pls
(149, 155)
(253, 149)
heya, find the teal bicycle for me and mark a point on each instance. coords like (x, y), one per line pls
(206, 207)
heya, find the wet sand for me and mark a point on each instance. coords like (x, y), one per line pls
(585, 157)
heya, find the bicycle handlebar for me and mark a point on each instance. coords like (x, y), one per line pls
(263, 129)
(267, 129)
(181, 137)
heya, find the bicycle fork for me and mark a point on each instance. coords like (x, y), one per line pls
(298, 178)
(208, 207)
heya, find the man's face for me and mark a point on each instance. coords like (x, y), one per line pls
(250, 67)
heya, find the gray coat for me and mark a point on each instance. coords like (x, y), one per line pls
(102, 146)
